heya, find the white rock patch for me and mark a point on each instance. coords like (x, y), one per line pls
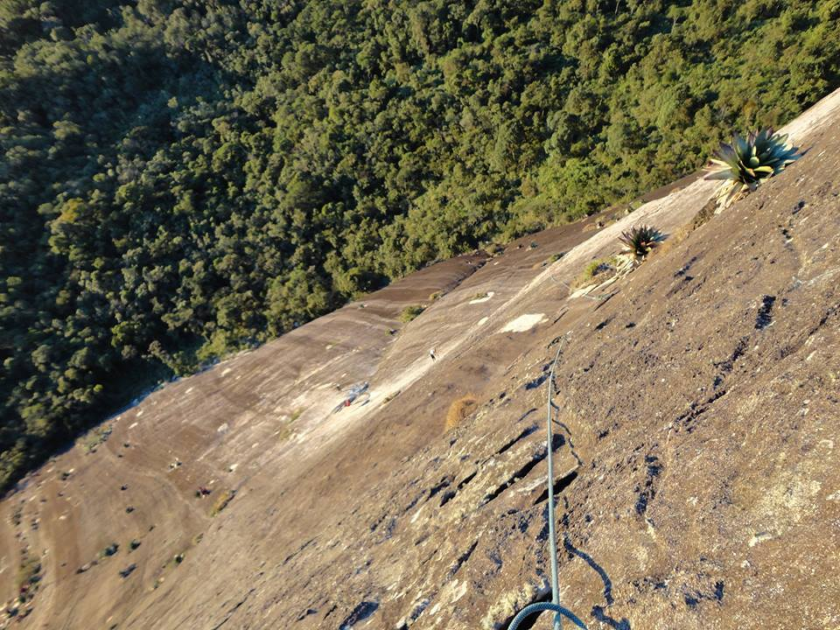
(524, 323)
(479, 300)
(460, 592)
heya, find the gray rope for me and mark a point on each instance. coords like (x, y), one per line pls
(542, 607)
(554, 605)
(552, 534)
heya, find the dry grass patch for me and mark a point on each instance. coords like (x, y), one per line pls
(705, 214)
(596, 272)
(701, 218)
(222, 502)
(391, 397)
(673, 240)
(460, 409)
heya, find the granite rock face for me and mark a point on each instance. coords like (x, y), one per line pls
(697, 420)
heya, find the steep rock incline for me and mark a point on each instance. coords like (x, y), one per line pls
(697, 467)
(249, 427)
(697, 475)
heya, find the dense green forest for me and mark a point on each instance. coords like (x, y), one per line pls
(180, 178)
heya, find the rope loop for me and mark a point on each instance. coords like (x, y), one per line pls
(541, 607)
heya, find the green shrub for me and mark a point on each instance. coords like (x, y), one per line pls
(410, 313)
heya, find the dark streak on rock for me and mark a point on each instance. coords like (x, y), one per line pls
(234, 609)
(647, 494)
(363, 611)
(519, 474)
(447, 497)
(466, 480)
(684, 269)
(536, 382)
(444, 483)
(764, 317)
(301, 548)
(559, 486)
(304, 615)
(462, 559)
(603, 324)
(526, 414)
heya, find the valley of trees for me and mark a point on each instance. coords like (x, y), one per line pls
(182, 178)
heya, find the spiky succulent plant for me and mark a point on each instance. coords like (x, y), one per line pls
(638, 242)
(747, 162)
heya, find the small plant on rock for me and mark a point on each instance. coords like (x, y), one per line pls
(459, 410)
(222, 502)
(638, 242)
(748, 162)
(596, 272)
(410, 313)
(28, 574)
(96, 438)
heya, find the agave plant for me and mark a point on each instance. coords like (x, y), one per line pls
(747, 162)
(638, 242)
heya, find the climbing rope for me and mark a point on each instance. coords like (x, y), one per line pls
(554, 606)
(542, 607)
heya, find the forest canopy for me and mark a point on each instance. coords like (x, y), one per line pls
(182, 178)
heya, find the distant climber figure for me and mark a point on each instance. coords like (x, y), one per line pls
(432, 354)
